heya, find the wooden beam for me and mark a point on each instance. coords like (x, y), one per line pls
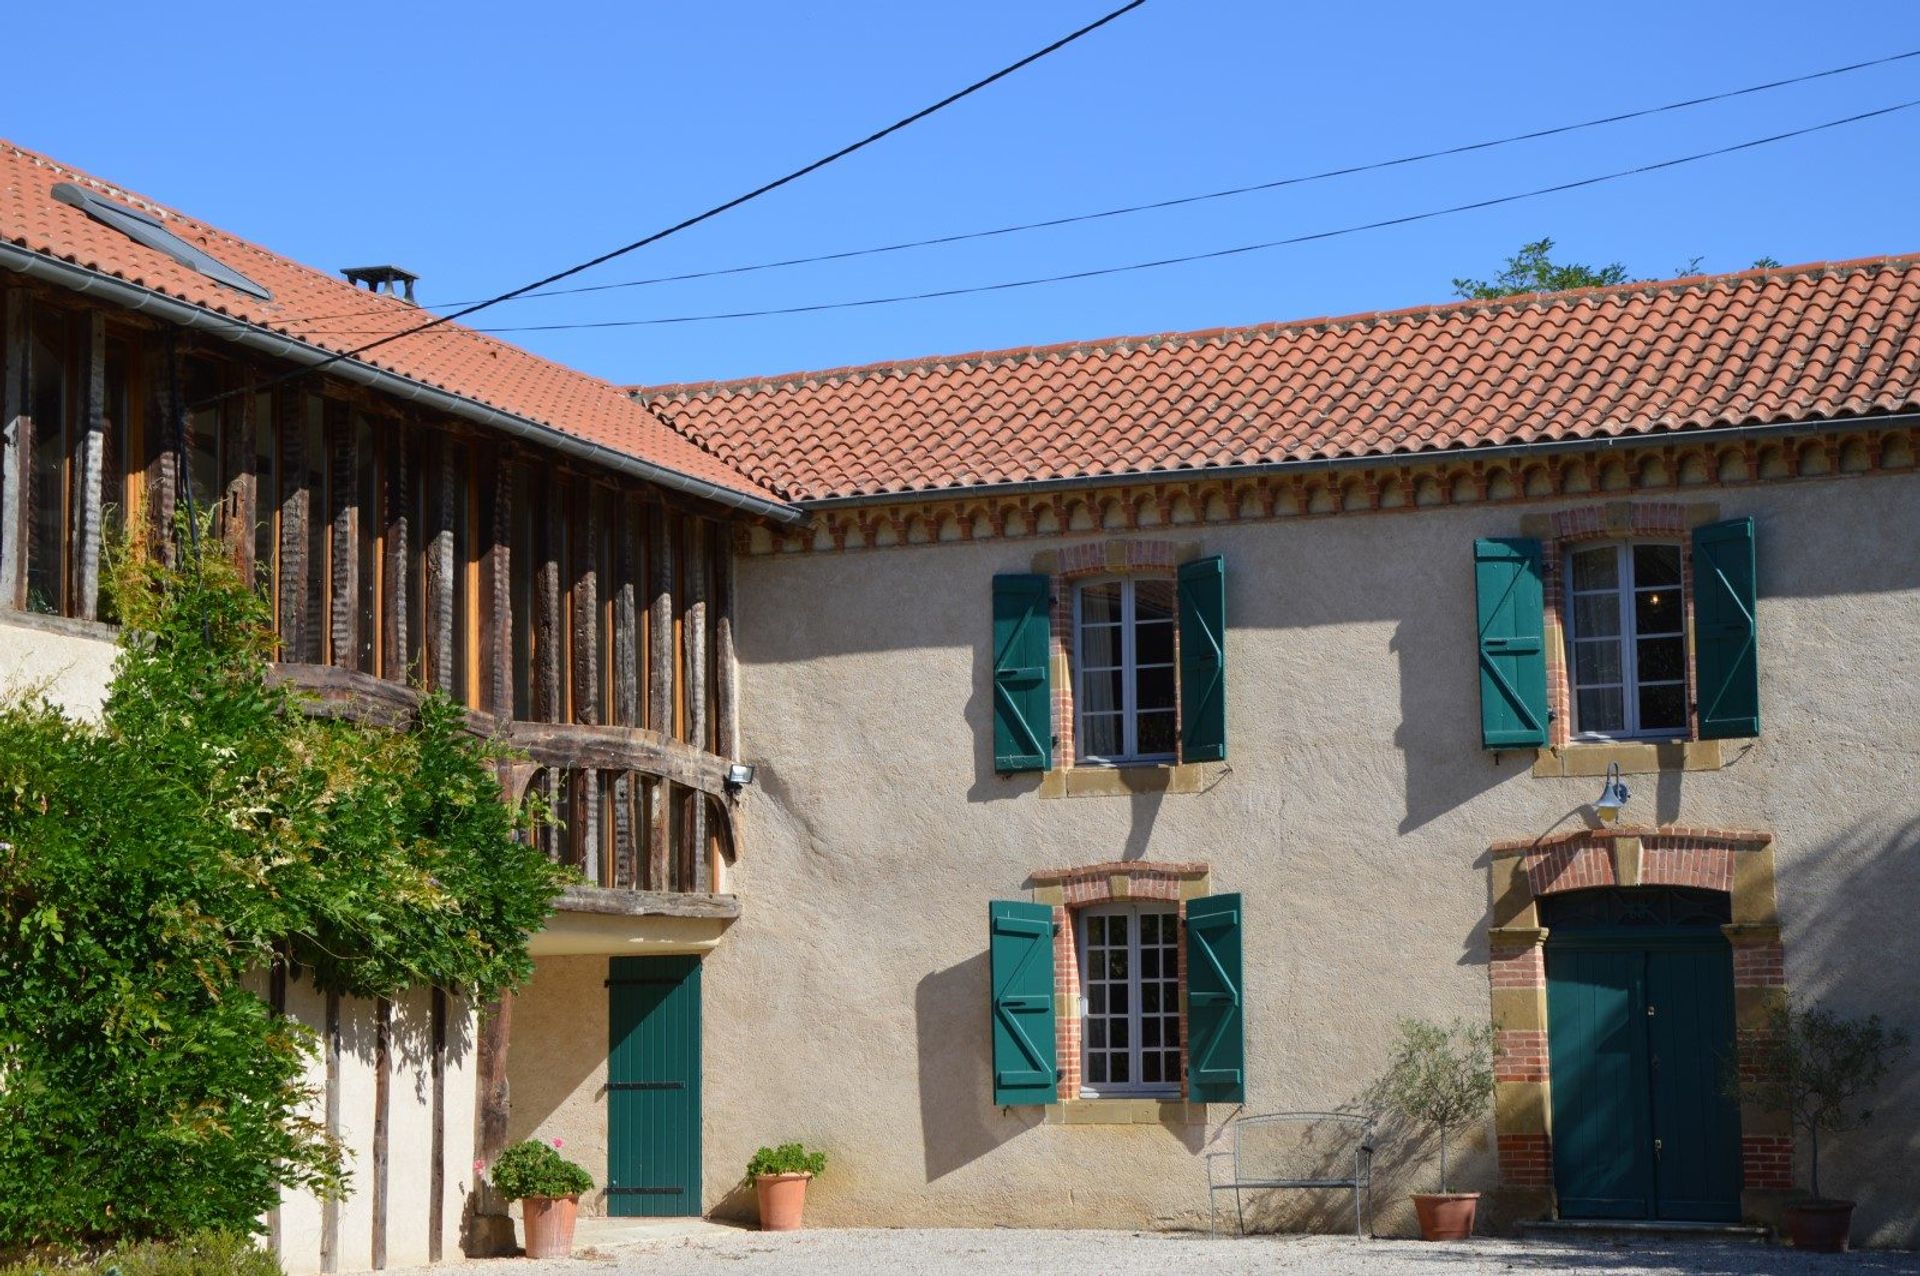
(500, 598)
(726, 672)
(492, 1110)
(238, 503)
(89, 510)
(584, 544)
(589, 899)
(587, 828)
(16, 354)
(343, 499)
(330, 1206)
(382, 1125)
(296, 508)
(441, 582)
(660, 683)
(693, 642)
(396, 578)
(549, 696)
(165, 437)
(437, 1150)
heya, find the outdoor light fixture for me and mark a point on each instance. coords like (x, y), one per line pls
(739, 775)
(1613, 797)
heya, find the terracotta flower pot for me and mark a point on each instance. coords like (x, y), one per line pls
(548, 1221)
(782, 1198)
(1446, 1216)
(1821, 1226)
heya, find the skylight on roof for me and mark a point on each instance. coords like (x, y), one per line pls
(148, 231)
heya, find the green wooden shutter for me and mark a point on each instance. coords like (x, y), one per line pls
(1216, 1010)
(1726, 655)
(1513, 648)
(1203, 660)
(1022, 693)
(1020, 957)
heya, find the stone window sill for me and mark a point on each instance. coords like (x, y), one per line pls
(1168, 1112)
(1125, 781)
(1634, 757)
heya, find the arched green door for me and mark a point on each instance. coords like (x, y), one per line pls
(1640, 1037)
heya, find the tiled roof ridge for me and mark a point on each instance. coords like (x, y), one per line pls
(682, 391)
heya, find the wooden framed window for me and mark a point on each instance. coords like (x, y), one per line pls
(50, 465)
(1124, 693)
(1130, 1011)
(1626, 641)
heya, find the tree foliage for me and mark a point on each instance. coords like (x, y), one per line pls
(1533, 269)
(201, 828)
(1439, 1077)
(1817, 1068)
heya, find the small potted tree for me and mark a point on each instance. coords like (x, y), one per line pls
(780, 1178)
(1439, 1079)
(1816, 1067)
(548, 1187)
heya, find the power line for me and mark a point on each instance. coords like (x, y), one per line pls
(1220, 252)
(1181, 200)
(696, 219)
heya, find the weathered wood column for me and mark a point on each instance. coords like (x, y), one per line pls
(693, 641)
(88, 512)
(660, 663)
(16, 354)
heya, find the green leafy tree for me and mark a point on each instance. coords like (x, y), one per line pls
(1439, 1078)
(1533, 269)
(202, 827)
(1817, 1068)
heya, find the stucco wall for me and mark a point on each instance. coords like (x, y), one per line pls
(557, 1065)
(848, 1007)
(68, 661)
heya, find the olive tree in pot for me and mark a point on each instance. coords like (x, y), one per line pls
(1815, 1067)
(1439, 1079)
(548, 1187)
(780, 1177)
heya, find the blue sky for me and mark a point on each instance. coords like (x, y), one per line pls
(483, 145)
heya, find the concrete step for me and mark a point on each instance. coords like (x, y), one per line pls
(1626, 1231)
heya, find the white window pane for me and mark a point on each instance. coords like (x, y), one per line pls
(1153, 644)
(1601, 711)
(1153, 599)
(1150, 1066)
(1100, 735)
(1153, 689)
(1663, 708)
(1100, 602)
(1099, 646)
(1096, 1068)
(1157, 732)
(1172, 1030)
(1656, 611)
(1656, 565)
(1100, 690)
(1118, 1036)
(1596, 616)
(1597, 568)
(1596, 662)
(1662, 659)
(1119, 1069)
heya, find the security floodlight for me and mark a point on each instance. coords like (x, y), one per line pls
(739, 775)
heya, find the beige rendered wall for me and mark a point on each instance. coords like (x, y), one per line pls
(848, 1006)
(557, 1065)
(70, 662)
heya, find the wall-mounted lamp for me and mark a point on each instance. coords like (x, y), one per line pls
(739, 775)
(1613, 797)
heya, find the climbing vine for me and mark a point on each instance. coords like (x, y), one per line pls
(199, 829)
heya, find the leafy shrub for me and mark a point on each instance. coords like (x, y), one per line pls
(788, 1158)
(533, 1168)
(199, 1254)
(1439, 1077)
(203, 827)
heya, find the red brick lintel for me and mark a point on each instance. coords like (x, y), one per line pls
(1120, 868)
(1656, 838)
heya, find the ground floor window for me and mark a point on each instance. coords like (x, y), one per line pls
(1130, 981)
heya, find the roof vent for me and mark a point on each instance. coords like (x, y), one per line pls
(148, 231)
(391, 280)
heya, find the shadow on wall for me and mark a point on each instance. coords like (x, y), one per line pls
(958, 1122)
(1438, 735)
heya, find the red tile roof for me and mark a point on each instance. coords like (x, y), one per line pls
(331, 314)
(1767, 346)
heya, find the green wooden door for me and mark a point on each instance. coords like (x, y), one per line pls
(1640, 1030)
(1602, 1162)
(653, 1086)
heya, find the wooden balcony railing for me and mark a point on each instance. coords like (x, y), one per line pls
(634, 810)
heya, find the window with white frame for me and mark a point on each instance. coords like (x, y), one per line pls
(1626, 641)
(1124, 670)
(1130, 1001)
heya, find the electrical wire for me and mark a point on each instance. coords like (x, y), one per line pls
(696, 219)
(1218, 253)
(1182, 200)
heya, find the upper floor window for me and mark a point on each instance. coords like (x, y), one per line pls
(1123, 634)
(1626, 641)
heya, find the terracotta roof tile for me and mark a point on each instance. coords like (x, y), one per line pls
(330, 313)
(1764, 346)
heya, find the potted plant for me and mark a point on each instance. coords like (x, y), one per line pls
(1815, 1067)
(548, 1187)
(1439, 1078)
(780, 1181)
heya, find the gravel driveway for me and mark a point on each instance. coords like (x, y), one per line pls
(907, 1252)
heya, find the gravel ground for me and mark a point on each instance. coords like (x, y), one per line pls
(908, 1252)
